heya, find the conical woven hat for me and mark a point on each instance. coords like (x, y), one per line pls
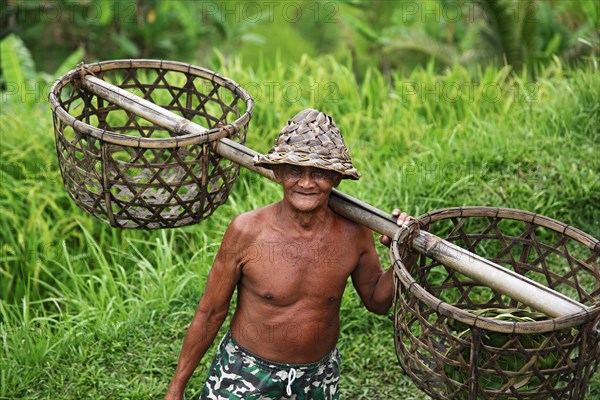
(312, 139)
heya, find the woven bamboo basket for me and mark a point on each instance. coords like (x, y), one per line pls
(458, 339)
(132, 173)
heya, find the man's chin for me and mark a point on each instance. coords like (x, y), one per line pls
(307, 205)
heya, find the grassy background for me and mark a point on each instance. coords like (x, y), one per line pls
(87, 311)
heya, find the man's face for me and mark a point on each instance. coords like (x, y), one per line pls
(306, 188)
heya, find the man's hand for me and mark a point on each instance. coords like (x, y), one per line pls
(401, 219)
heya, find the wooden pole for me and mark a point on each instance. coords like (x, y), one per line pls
(475, 267)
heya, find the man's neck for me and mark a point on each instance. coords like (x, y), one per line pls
(311, 221)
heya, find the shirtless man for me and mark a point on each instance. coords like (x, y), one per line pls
(289, 262)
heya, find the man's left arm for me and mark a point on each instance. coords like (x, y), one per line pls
(374, 285)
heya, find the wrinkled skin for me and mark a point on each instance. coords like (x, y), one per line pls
(289, 262)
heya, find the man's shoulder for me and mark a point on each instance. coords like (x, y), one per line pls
(351, 228)
(252, 221)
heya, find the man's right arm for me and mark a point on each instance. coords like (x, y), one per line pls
(211, 311)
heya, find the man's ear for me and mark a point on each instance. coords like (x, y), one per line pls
(337, 178)
(278, 172)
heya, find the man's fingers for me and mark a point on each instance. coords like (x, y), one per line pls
(402, 218)
(385, 240)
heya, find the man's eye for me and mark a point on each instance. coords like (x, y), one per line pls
(321, 175)
(295, 171)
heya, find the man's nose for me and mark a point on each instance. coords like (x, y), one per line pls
(306, 180)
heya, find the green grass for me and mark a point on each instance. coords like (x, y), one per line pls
(87, 311)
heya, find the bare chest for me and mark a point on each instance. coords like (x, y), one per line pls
(285, 270)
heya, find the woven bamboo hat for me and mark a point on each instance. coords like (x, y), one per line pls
(311, 139)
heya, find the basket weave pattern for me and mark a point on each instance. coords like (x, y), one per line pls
(451, 350)
(133, 174)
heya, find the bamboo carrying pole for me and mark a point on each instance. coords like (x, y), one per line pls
(475, 267)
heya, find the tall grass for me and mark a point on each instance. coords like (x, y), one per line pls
(87, 311)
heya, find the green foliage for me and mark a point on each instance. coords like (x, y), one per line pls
(184, 30)
(507, 361)
(523, 34)
(511, 30)
(89, 311)
(109, 29)
(17, 64)
(20, 83)
(391, 35)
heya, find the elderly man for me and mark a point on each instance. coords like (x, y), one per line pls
(289, 262)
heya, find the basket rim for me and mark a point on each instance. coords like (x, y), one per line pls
(145, 142)
(448, 310)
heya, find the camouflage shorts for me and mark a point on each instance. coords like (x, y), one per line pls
(236, 373)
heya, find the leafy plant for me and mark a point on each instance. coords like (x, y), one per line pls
(20, 82)
(87, 310)
(17, 64)
(514, 355)
(518, 34)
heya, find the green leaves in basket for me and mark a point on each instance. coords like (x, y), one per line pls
(514, 354)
